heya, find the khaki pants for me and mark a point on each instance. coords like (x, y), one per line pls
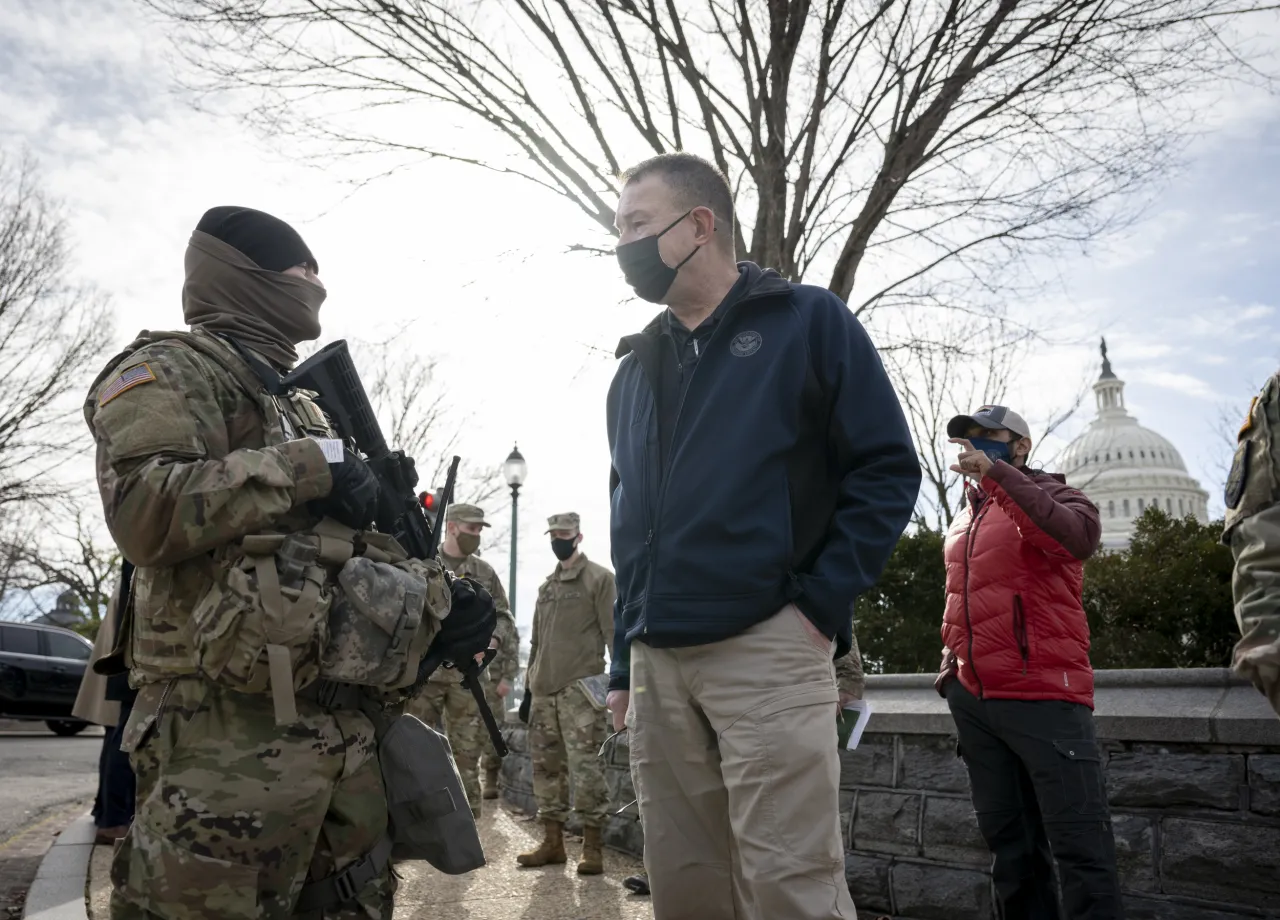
(733, 755)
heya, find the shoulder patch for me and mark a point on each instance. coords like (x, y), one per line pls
(134, 376)
(1248, 419)
(1237, 478)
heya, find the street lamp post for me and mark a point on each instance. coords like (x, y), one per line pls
(514, 470)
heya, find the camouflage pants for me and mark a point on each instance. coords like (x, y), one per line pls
(450, 707)
(565, 734)
(235, 813)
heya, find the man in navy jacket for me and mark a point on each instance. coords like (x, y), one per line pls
(762, 473)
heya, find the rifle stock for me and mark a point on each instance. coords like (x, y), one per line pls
(332, 375)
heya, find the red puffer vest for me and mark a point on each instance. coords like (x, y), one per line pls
(1015, 562)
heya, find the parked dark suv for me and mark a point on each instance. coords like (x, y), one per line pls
(40, 672)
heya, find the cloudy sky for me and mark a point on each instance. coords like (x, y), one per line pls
(475, 267)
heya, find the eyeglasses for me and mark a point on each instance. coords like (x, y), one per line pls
(606, 750)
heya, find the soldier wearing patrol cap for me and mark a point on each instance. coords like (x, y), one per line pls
(1252, 530)
(572, 626)
(443, 699)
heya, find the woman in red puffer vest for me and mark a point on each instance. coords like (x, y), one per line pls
(1015, 563)
(1017, 678)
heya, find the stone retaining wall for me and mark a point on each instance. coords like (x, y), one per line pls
(1193, 774)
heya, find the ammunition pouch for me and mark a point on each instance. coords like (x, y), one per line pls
(275, 620)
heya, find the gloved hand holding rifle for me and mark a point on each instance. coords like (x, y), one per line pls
(466, 632)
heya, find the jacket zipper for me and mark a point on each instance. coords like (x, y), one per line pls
(970, 534)
(1020, 631)
(656, 516)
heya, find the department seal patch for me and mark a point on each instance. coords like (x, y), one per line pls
(745, 344)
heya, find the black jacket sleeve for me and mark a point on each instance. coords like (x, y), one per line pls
(871, 446)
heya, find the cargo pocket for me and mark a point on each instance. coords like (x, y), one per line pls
(175, 883)
(1080, 770)
(798, 775)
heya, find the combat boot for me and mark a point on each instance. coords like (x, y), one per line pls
(491, 782)
(592, 862)
(550, 852)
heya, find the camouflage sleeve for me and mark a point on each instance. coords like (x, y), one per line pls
(849, 677)
(606, 592)
(508, 660)
(1256, 586)
(533, 644)
(1252, 530)
(503, 666)
(164, 498)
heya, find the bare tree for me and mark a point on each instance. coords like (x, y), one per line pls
(58, 545)
(77, 559)
(51, 333)
(14, 536)
(943, 372)
(911, 153)
(406, 390)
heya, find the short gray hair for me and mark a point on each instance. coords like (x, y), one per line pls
(695, 183)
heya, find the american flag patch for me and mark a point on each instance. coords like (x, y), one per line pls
(134, 376)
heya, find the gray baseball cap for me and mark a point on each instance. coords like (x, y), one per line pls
(989, 417)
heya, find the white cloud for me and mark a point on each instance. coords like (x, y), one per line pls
(1186, 384)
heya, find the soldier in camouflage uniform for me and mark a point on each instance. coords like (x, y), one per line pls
(1252, 531)
(572, 626)
(252, 802)
(443, 700)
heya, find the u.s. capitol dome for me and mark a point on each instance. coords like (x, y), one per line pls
(1125, 468)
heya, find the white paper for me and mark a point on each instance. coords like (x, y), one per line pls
(332, 448)
(863, 709)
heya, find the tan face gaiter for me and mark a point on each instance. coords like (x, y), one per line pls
(226, 292)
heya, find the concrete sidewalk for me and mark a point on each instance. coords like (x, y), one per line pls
(499, 891)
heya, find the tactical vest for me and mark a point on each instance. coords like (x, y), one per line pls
(275, 611)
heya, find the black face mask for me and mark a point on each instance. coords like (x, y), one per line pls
(563, 548)
(642, 264)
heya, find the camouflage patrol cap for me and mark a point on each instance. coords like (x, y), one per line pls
(466, 514)
(567, 521)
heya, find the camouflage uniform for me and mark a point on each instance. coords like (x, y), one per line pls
(1252, 531)
(444, 702)
(572, 625)
(234, 812)
(850, 678)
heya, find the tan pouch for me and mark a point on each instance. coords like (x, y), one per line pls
(253, 633)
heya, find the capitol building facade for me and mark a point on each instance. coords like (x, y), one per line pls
(1125, 468)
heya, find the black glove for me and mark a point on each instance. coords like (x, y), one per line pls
(525, 702)
(353, 500)
(472, 618)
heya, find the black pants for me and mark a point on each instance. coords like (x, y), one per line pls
(117, 786)
(1035, 771)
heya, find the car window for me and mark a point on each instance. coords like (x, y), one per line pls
(20, 640)
(61, 646)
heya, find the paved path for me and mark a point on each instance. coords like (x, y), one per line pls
(499, 891)
(44, 782)
(504, 891)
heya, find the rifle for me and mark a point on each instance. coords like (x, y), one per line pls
(331, 374)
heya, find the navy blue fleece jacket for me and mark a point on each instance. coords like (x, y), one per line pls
(789, 477)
